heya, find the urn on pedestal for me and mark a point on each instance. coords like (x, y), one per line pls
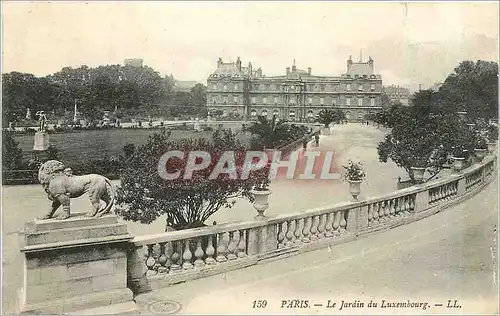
(354, 174)
(261, 203)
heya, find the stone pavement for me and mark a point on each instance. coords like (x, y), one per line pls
(447, 256)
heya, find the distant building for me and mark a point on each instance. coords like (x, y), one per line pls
(397, 94)
(297, 95)
(134, 62)
(184, 86)
(435, 87)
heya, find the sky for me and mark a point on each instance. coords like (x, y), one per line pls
(411, 43)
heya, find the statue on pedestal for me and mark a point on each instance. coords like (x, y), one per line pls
(60, 185)
(41, 137)
(42, 121)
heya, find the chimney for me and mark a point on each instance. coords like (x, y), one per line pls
(309, 70)
(250, 69)
(349, 64)
(259, 72)
(238, 63)
(294, 68)
(287, 70)
(219, 62)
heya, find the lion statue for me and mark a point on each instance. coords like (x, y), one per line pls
(61, 185)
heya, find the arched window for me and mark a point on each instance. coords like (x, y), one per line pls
(253, 113)
(275, 113)
(264, 113)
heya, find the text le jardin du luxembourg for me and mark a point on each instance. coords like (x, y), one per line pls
(311, 164)
(347, 306)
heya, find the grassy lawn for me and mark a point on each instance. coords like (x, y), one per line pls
(83, 145)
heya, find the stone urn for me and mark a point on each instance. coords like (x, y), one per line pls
(480, 153)
(41, 141)
(491, 147)
(261, 203)
(418, 173)
(458, 163)
(354, 188)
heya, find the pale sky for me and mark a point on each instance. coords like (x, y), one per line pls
(410, 44)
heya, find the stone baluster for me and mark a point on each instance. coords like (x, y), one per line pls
(412, 203)
(289, 233)
(314, 228)
(150, 261)
(381, 211)
(407, 204)
(375, 211)
(387, 210)
(221, 249)
(242, 245)
(209, 260)
(162, 259)
(328, 225)
(343, 222)
(199, 253)
(321, 226)
(187, 256)
(231, 248)
(306, 229)
(370, 214)
(176, 257)
(298, 231)
(392, 208)
(281, 235)
(336, 223)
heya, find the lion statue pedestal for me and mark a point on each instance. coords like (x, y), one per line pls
(80, 261)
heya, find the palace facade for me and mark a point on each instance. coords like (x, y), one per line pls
(297, 95)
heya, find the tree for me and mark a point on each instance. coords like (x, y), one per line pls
(12, 155)
(199, 95)
(270, 133)
(144, 196)
(424, 137)
(425, 97)
(473, 87)
(328, 116)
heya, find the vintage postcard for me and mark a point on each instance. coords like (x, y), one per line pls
(249, 157)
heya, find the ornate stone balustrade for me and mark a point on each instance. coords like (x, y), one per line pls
(168, 258)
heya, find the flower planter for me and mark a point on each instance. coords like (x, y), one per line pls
(491, 147)
(480, 154)
(418, 173)
(354, 188)
(261, 203)
(458, 163)
(325, 131)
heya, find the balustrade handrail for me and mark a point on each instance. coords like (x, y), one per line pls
(341, 206)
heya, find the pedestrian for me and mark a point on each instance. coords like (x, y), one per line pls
(304, 144)
(316, 138)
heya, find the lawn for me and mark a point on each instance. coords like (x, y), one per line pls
(81, 146)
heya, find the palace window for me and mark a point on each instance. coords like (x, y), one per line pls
(225, 86)
(372, 87)
(360, 101)
(372, 101)
(264, 100)
(256, 87)
(214, 100)
(310, 100)
(225, 100)
(214, 86)
(322, 87)
(322, 101)
(348, 87)
(348, 101)
(236, 87)
(360, 87)
(267, 87)
(235, 98)
(253, 100)
(275, 100)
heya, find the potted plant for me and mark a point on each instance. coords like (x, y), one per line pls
(481, 149)
(261, 200)
(458, 156)
(354, 174)
(418, 172)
